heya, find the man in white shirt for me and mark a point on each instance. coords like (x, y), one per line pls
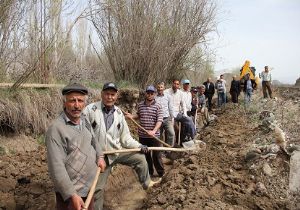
(166, 102)
(187, 96)
(266, 78)
(180, 111)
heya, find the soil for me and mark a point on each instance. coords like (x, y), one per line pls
(226, 175)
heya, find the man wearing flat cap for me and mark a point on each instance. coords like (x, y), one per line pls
(112, 133)
(73, 154)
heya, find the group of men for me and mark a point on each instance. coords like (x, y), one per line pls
(77, 140)
(250, 85)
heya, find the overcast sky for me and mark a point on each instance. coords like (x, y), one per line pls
(266, 32)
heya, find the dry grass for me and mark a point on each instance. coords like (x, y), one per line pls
(28, 111)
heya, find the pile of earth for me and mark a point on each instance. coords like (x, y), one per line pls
(221, 177)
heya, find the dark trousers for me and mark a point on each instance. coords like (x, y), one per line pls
(209, 99)
(64, 205)
(234, 97)
(266, 85)
(153, 158)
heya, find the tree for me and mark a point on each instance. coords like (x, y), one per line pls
(149, 40)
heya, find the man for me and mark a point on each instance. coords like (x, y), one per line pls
(187, 96)
(202, 107)
(150, 114)
(112, 133)
(73, 154)
(168, 117)
(209, 92)
(180, 111)
(266, 82)
(235, 89)
(195, 102)
(221, 90)
(248, 89)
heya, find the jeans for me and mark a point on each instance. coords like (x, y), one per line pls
(189, 130)
(221, 99)
(248, 95)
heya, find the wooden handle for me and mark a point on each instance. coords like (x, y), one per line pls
(157, 139)
(179, 130)
(92, 190)
(149, 148)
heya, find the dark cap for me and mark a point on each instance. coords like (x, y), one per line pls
(150, 88)
(74, 87)
(110, 85)
(194, 89)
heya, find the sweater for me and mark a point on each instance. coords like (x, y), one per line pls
(116, 137)
(71, 153)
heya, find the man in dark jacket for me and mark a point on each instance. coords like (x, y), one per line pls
(209, 92)
(235, 89)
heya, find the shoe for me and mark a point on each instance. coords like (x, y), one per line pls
(152, 184)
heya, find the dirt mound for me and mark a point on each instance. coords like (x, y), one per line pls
(219, 178)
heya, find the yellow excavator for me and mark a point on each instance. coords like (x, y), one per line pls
(247, 69)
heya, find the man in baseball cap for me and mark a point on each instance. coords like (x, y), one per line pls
(110, 85)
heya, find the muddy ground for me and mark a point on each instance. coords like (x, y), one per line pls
(223, 176)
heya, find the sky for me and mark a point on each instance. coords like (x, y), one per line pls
(265, 32)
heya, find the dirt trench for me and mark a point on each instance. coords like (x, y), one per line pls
(216, 178)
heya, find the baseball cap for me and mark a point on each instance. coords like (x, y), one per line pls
(150, 88)
(74, 87)
(110, 85)
(186, 81)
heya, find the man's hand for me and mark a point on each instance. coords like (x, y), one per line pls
(76, 203)
(101, 164)
(151, 133)
(144, 149)
(128, 115)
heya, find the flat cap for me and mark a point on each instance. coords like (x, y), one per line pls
(110, 85)
(74, 87)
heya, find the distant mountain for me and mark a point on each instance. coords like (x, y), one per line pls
(276, 82)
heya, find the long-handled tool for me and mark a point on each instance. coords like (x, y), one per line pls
(179, 130)
(157, 139)
(92, 190)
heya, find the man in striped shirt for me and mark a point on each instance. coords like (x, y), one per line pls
(150, 114)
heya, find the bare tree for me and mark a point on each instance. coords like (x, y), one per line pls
(149, 40)
(11, 25)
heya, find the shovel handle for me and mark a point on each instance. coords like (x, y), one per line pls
(150, 149)
(92, 190)
(138, 125)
